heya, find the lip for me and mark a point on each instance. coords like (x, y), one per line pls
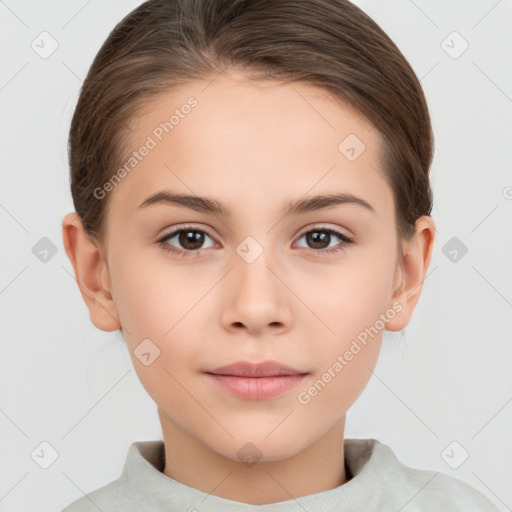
(256, 381)
(248, 369)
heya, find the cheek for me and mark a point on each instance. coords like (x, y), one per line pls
(329, 395)
(349, 297)
(343, 360)
(158, 307)
(153, 296)
(353, 302)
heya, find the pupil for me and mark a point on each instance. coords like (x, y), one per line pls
(195, 238)
(319, 238)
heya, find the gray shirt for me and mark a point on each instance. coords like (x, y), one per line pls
(379, 482)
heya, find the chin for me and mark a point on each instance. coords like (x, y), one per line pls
(261, 447)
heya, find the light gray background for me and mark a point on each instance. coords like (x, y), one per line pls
(445, 378)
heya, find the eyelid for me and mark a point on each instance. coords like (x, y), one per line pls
(183, 227)
(334, 231)
(325, 227)
(313, 227)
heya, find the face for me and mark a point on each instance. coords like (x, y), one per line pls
(309, 287)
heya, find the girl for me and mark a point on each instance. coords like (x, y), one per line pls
(251, 185)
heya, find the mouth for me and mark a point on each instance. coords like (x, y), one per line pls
(256, 381)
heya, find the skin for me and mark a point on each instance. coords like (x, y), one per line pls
(251, 146)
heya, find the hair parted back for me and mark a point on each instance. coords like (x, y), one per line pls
(330, 44)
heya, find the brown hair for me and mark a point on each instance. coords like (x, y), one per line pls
(330, 44)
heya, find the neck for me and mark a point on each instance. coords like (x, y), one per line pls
(317, 468)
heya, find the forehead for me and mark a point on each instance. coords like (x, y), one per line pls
(246, 142)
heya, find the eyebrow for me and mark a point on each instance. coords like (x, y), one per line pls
(299, 206)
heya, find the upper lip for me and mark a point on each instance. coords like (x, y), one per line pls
(248, 369)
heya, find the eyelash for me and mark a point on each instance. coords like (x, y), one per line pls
(195, 253)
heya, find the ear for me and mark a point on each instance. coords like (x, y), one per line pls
(411, 272)
(91, 273)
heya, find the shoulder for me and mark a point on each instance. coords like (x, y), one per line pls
(99, 499)
(454, 494)
(109, 497)
(433, 490)
(412, 489)
(141, 468)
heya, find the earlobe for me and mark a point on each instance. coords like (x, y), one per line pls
(417, 254)
(91, 273)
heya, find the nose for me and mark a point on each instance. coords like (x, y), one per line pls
(256, 299)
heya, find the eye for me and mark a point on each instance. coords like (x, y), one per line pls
(320, 238)
(192, 241)
(190, 238)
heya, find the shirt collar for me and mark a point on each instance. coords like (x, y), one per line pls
(142, 477)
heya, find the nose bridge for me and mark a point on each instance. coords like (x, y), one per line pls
(252, 270)
(257, 298)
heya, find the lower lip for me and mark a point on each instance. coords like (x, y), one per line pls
(257, 388)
